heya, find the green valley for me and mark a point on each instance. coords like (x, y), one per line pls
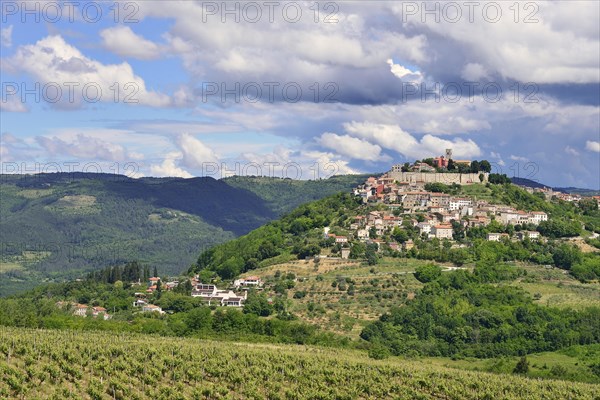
(60, 226)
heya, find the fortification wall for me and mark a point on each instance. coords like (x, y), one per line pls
(433, 177)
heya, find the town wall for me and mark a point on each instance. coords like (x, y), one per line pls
(441, 177)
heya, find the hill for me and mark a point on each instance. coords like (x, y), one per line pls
(60, 226)
(571, 190)
(105, 365)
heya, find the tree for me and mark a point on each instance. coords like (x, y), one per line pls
(522, 366)
(451, 165)
(400, 235)
(428, 273)
(565, 256)
(498, 179)
(481, 178)
(556, 228)
(257, 304)
(474, 166)
(155, 272)
(371, 256)
(373, 233)
(198, 319)
(357, 251)
(485, 166)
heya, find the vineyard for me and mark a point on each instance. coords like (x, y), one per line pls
(40, 364)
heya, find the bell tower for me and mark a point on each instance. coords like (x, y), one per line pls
(448, 154)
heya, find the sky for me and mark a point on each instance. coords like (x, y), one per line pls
(300, 89)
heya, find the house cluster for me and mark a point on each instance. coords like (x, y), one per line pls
(550, 193)
(438, 212)
(84, 310)
(155, 281)
(144, 306)
(212, 295)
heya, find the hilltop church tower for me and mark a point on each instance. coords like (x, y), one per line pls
(448, 154)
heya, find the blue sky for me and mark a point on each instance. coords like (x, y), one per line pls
(183, 89)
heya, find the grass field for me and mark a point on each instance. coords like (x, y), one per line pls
(555, 288)
(39, 364)
(572, 363)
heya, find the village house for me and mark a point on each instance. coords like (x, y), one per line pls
(528, 234)
(409, 244)
(362, 234)
(436, 209)
(442, 231)
(139, 303)
(213, 296)
(536, 217)
(97, 311)
(509, 216)
(80, 310)
(152, 308)
(341, 239)
(250, 281)
(456, 203)
(153, 281)
(439, 200)
(424, 228)
(448, 217)
(493, 237)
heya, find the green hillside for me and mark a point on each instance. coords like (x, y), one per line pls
(283, 195)
(125, 366)
(60, 226)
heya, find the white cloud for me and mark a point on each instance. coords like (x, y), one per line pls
(12, 103)
(498, 157)
(393, 137)
(404, 73)
(592, 146)
(571, 151)
(168, 168)
(553, 49)
(195, 153)
(6, 36)
(349, 146)
(123, 41)
(83, 147)
(474, 72)
(52, 60)
(518, 158)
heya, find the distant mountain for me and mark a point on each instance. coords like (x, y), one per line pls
(60, 226)
(572, 190)
(528, 183)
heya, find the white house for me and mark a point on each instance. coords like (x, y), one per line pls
(152, 308)
(341, 239)
(424, 228)
(457, 203)
(80, 310)
(250, 281)
(535, 217)
(528, 234)
(493, 237)
(362, 234)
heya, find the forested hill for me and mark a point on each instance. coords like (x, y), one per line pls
(64, 225)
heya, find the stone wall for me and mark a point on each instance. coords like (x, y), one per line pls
(432, 177)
